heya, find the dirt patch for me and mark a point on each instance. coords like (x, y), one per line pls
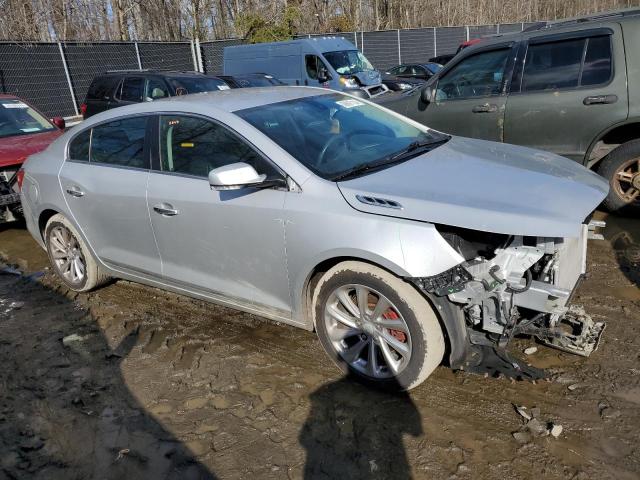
(133, 382)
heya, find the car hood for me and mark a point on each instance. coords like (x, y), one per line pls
(485, 186)
(368, 77)
(14, 150)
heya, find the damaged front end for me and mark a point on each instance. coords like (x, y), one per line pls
(516, 285)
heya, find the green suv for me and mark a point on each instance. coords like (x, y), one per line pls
(570, 87)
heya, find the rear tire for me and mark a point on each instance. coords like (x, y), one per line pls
(621, 168)
(405, 338)
(70, 257)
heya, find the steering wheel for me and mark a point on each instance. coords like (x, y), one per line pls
(345, 140)
(464, 82)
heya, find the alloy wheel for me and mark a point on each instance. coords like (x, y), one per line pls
(627, 181)
(368, 331)
(67, 255)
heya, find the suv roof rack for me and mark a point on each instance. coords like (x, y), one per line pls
(151, 70)
(629, 12)
(128, 70)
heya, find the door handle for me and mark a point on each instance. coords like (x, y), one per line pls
(486, 108)
(600, 99)
(75, 191)
(166, 210)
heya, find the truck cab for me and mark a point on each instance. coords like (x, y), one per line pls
(569, 87)
(327, 62)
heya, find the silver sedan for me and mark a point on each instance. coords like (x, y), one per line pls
(402, 247)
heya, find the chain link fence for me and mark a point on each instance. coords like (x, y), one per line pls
(55, 77)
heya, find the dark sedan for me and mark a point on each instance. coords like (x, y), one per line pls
(408, 76)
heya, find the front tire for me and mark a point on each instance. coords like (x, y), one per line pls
(69, 256)
(621, 168)
(377, 327)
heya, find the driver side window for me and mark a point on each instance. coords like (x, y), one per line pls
(480, 75)
(195, 146)
(315, 67)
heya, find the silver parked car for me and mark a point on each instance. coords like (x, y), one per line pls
(401, 246)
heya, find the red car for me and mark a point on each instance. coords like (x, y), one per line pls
(23, 132)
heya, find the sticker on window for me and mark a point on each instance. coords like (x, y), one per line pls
(223, 87)
(349, 103)
(15, 105)
(29, 130)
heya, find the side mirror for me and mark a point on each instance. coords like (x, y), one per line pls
(428, 93)
(236, 176)
(59, 122)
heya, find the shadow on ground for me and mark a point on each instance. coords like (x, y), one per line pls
(356, 432)
(65, 411)
(624, 236)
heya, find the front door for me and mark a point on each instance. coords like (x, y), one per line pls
(470, 97)
(104, 182)
(225, 242)
(315, 71)
(570, 90)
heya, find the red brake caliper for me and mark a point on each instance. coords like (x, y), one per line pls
(399, 335)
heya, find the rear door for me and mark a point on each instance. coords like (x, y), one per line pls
(104, 181)
(470, 97)
(131, 91)
(101, 94)
(569, 88)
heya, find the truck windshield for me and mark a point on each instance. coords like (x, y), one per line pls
(18, 118)
(333, 134)
(348, 62)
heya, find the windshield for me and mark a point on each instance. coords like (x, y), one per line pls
(185, 85)
(18, 118)
(348, 62)
(332, 134)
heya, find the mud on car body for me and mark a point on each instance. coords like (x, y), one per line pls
(399, 245)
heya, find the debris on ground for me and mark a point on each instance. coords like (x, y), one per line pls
(530, 350)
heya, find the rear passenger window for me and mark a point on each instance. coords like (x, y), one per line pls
(132, 89)
(102, 88)
(79, 147)
(597, 62)
(120, 143)
(195, 146)
(565, 64)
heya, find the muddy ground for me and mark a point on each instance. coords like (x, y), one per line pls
(132, 382)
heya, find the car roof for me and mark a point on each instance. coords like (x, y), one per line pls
(231, 100)
(166, 73)
(239, 99)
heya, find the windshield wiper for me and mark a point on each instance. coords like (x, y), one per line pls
(417, 147)
(410, 151)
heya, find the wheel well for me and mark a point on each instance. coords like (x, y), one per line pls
(622, 134)
(43, 219)
(611, 140)
(448, 316)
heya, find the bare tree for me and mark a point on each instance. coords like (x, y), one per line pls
(47, 20)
